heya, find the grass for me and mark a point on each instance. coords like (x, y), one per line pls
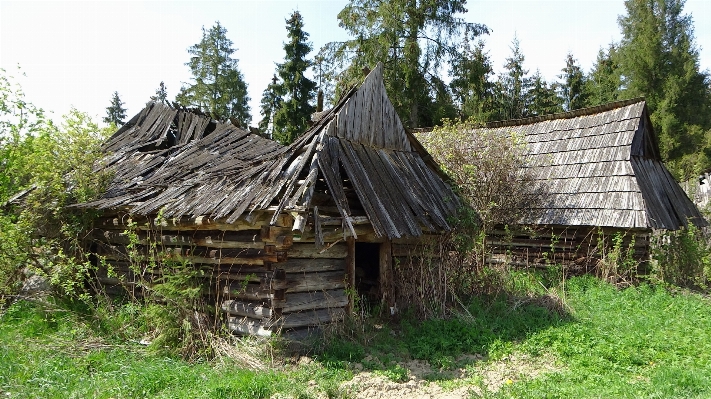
(638, 342)
(56, 354)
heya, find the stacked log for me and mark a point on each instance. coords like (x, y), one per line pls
(261, 279)
(575, 246)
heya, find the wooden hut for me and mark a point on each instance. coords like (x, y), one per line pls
(282, 232)
(600, 171)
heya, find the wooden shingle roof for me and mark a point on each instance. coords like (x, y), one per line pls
(358, 153)
(600, 167)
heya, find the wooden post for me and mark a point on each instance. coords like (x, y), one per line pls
(350, 273)
(385, 277)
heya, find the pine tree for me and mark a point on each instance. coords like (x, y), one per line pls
(392, 32)
(161, 94)
(471, 82)
(602, 84)
(542, 97)
(513, 86)
(293, 114)
(659, 60)
(271, 101)
(572, 87)
(115, 113)
(219, 89)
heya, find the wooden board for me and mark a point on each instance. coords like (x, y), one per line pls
(308, 250)
(294, 302)
(254, 310)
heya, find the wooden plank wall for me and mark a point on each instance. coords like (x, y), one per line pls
(256, 273)
(576, 246)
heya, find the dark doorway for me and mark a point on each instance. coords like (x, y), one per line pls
(367, 271)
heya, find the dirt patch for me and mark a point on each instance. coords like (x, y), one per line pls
(371, 386)
(510, 369)
(476, 376)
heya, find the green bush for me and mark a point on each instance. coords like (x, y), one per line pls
(52, 167)
(682, 257)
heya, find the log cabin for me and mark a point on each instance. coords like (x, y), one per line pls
(602, 176)
(287, 236)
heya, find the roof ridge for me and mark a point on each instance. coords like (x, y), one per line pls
(565, 115)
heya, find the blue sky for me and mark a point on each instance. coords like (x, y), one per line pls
(79, 53)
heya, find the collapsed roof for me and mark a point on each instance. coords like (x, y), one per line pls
(356, 159)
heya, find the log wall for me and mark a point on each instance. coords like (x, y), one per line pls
(575, 246)
(259, 277)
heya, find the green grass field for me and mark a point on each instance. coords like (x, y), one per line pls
(639, 342)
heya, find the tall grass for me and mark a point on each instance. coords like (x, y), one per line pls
(55, 353)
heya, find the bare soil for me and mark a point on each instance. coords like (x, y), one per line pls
(475, 377)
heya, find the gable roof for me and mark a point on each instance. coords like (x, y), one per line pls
(600, 166)
(358, 153)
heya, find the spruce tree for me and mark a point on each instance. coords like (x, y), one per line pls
(512, 88)
(271, 101)
(115, 113)
(293, 114)
(572, 87)
(218, 88)
(392, 32)
(660, 61)
(471, 83)
(542, 97)
(161, 94)
(602, 85)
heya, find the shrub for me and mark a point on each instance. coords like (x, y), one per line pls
(488, 170)
(51, 167)
(682, 257)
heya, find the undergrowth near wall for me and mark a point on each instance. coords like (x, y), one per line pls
(683, 258)
(44, 169)
(171, 293)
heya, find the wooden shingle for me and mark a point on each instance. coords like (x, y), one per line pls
(584, 161)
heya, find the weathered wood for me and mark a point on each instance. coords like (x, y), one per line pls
(350, 272)
(303, 250)
(284, 241)
(189, 223)
(302, 282)
(204, 238)
(299, 223)
(312, 265)
(328, 162)
(261, 260)
(272, 233)
(309, 318)
(249, 292)
(386, 283)
(294, 302)
(318, 232)
(246, 309)
(336, 221)
(247, 326)
(332, 233)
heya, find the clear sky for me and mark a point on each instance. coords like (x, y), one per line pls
(79, 53)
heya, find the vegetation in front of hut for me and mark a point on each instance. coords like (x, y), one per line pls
(45, 168)
(602, 342)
